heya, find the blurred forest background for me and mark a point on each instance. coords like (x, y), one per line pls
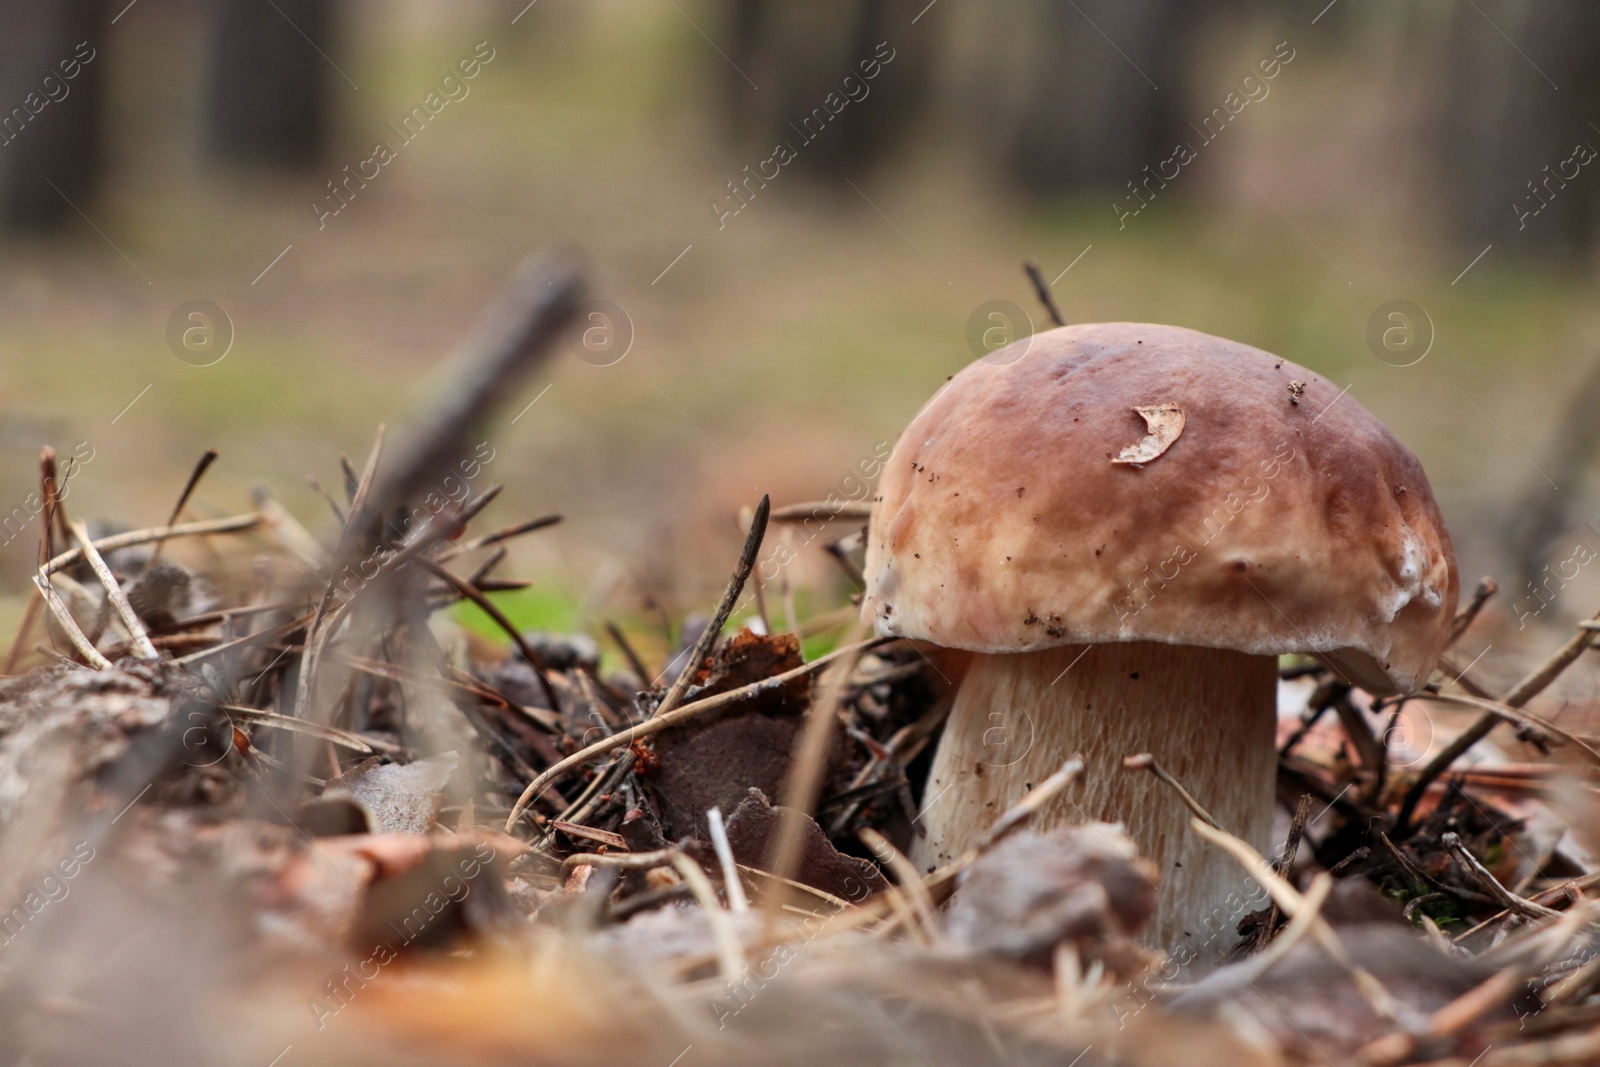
(1341, 156)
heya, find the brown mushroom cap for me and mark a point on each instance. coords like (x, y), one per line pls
(1283, 518)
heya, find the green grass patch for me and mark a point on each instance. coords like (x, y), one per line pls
(543, 606)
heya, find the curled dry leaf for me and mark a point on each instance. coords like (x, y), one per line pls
(753, 828)
(1163, 423)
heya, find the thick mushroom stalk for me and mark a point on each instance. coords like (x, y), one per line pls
(1206, 715)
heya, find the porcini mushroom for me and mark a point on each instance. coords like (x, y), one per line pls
(1128, 524)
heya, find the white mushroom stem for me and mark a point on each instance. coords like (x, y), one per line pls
(1207, 715)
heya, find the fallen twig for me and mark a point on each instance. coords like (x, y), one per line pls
(69, 626)
(1283, 866)
(1042, 288)
(730, 597)
(1144, 761)
(498, 536)
(731, 885)
(195, 475)
(800, 513)
(942, 883)
(1566, 892)
(331, 734)
(1483, 877)
(1487, 587)
(1472, 1005)
(633, 861)
(907, 877)
(158, 533)
(1293, 903)
(130, 619)
(730, 952)
(512, 336)
(628, 653)
(507, 627)
(1520, 694)
(1518, 717)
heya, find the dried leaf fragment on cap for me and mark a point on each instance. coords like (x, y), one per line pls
(1163, 423)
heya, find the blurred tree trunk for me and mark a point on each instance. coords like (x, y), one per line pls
(52, 95)
(1523, 87)
(268, 93)
(1073, 95)
(800, 51)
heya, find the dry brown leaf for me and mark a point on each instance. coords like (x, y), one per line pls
(1163, 423)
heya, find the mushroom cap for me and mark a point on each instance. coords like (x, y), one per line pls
(1030, 505)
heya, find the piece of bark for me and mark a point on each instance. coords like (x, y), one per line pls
(754, 826)
(712, 762)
